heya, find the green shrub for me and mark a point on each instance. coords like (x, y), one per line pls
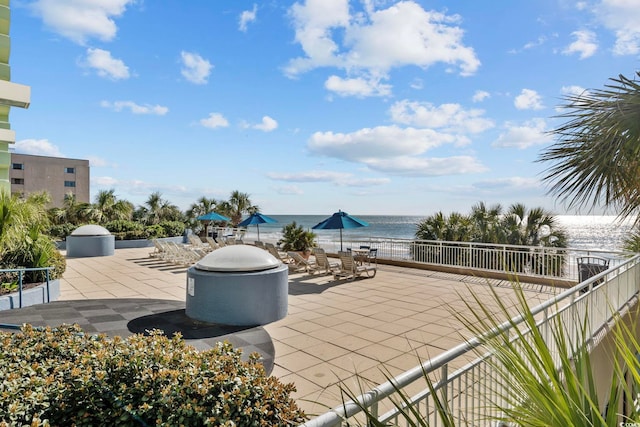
(61, 231)
(59, 263)
(123, 226)
(154, 231)
(295, 238)
(131, 235)
(173, 228)
(64, 377)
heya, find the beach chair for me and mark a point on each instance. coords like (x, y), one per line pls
(323, 262)
(259, 244)
(198, 244)
(278, 255)
(350, 268)
(301, 264)
(212, 243)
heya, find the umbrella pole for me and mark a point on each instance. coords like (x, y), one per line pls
(258, 227)
(341, 240)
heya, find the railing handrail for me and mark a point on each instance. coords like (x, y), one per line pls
(17, 270)
(386, 389)
(21, 271)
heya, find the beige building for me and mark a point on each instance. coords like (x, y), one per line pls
(56, 175)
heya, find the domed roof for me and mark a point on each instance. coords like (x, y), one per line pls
(238, 258)
(90, 230)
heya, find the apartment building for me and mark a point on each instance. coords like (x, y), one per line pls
(58, 176)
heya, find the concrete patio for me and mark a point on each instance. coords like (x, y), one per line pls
(335, 332)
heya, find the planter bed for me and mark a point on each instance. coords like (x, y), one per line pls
(31, 296)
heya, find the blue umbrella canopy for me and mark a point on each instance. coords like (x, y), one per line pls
(213, 216)
(257, 219)
(340, 220)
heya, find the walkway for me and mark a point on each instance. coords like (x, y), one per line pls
(334, 329)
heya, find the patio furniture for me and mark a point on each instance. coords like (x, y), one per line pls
(350, 268)
(301, 264)
(323, 262)
(282, 256)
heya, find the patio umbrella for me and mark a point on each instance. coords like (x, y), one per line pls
(340, 220)
(211, 216)
(257, 219)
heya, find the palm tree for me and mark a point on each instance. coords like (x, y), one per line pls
(158, 209)
(486, 223)
(201, 207)
(239, 203)
(108, 207)
(596, 157)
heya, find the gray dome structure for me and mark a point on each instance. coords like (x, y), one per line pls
(90, 241)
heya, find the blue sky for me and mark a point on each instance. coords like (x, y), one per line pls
(372, 107)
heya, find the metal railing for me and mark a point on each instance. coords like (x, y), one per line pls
(472, 390)
(534, 261)
(21, 272)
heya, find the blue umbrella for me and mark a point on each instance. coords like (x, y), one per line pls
(257, 219)
(340, 220)
(211, 216)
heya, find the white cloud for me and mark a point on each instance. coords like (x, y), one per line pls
(621, 17)
(338, 178)
(584, 44)
(195, 68)
(449, 117)
(104, 181)
(99, 162)
(289, 190)
(215, 120)
(118, 106)
(267, 125)
(246, 17)
(372, 42)
(392, 149)
(424, 166)
(509, 183)
(38, 147)
(381, 141)
(530, 133)
(359, 87)
(310, 176)
(480, 95)
(573, 90)
(105, 65)
(528, 100)
(79, 20)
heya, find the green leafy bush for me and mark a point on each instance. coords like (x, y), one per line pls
(123, 226)
(173, 228)
(154, 231)
(61, 231)
(295, 238)
(64, 377)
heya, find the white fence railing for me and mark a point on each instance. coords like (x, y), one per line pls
(473, 390)
(533, 261)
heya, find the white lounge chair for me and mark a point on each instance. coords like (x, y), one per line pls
(323, 262)
(350, 269)
(301, 264)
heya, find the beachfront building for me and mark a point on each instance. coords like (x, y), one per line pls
(55, 175)
(11, 95)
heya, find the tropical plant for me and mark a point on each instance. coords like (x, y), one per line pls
(595, 158)
(107, 207)
(538, 378)
(239, 203)
(156, 209)
(631, 242)
(296, 238)
(72, 212)
(63, 376)
(202, 206)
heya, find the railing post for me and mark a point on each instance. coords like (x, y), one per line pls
(48, 293)
(20, 288)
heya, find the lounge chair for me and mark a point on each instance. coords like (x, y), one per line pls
(323, 263)
(197, 243)
(278, 255)
(350, 269)
(212, 243)
(301, 264)
(259, 244)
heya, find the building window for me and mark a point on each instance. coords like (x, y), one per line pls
(69, 183)
(19, 181)
(18, 166)
(70, 170)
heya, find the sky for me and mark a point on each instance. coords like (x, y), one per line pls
(373, 107)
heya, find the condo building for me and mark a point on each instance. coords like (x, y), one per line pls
(58, 176)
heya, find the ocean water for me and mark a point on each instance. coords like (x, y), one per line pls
(595, 232)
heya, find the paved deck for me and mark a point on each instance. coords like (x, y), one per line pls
(336, 331)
